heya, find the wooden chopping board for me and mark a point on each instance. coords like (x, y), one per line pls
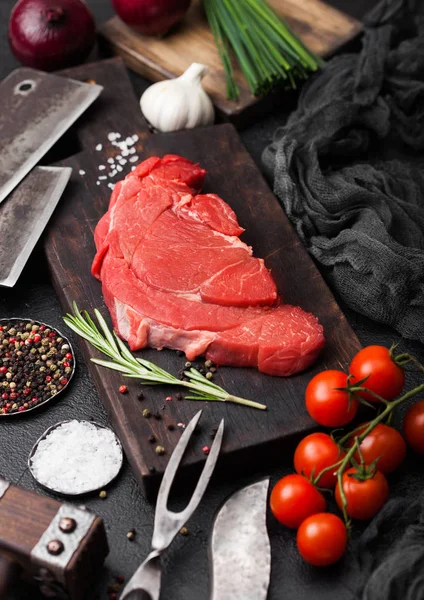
(250, 435)
(321, 27)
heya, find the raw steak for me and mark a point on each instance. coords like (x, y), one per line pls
(175, 273)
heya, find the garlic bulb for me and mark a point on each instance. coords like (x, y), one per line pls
(179, 103)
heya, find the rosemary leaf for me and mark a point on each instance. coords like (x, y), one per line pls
(138, 368)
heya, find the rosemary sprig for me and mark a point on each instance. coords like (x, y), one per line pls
(266, 49)
(126, 363)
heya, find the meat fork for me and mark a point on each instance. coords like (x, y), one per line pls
(145, 583)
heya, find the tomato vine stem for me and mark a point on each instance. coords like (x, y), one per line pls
(340, 466)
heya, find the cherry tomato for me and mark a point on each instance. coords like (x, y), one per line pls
(322, 539)
(315, 453)
(384, 443)
(327, 405)
(293, 499)
(413, 426)
(386, 378)
(364, 498)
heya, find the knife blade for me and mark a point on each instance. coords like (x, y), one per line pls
(27, 210)
(240, 549)
(36, 110)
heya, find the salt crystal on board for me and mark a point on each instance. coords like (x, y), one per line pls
(77, 457)
(99, 147)
(81, 172)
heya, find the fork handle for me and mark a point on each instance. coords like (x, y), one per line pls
(145, 583)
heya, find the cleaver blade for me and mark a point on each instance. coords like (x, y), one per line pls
(27, 210)
(36, 110)
(240, 549)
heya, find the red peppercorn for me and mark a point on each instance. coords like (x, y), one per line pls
(5, 411)
(34, 399)
(48, 378)
(66, 363)
(13, 396)
(41, 328)
(5, 396)
(63, 381)
(21, 408)
(206, 449)
(37, 338)
(52, 334)
(68, 355)
(27, 391)
(28, 342)
(8, 405)
(168, 398)
(12, 340)
(3, 369)
(123, 389)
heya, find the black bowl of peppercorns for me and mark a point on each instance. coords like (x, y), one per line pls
(36, 364)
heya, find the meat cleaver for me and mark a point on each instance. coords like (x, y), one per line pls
(240, 549)
(35, 111)
(24, 215)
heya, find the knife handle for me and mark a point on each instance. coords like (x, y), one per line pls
(9, 574)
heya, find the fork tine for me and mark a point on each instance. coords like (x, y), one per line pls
(173, 465)
(205, 475)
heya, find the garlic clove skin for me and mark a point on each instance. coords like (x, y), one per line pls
(179, 103)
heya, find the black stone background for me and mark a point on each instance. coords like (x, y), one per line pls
(186, 564)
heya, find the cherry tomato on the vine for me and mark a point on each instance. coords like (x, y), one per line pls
(316, 452)
(327, 405)
(384, 443)
(322, 539)
(413, 426)
(293, 499)
(386, 378)
(364, 498)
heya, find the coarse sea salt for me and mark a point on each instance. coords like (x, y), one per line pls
(77, 457)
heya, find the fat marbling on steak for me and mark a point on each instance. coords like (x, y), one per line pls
(175, 274)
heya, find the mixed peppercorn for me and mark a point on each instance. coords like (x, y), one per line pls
(36, 363)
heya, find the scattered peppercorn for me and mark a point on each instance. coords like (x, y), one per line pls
(206, 449)
(152, 470)
(131, 534)
(152, 439)
(157, 416)
(208, 363)
(160, 450)
(209, 375)
(168, 398)
(171, 427)
(140, 396)
(179, 396)
(146, 413)
(184, 531)
(103, 494)
(213, 369)
(123, 389)
(187, 364)
(180, 353)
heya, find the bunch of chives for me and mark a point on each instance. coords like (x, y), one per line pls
(265, 47)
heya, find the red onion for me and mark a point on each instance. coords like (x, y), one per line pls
(51, 34)
(151, 17)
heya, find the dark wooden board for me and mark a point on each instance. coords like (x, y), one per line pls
(232, 174)
(321, 27)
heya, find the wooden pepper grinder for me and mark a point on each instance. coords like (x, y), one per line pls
(59, 547)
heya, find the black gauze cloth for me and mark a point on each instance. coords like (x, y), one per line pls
(349, 171)
(389, 557)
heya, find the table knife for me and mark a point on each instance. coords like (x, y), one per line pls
(24, 215)
(240, 549)
(36, 110)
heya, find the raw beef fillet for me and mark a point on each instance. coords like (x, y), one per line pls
(175, 274)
